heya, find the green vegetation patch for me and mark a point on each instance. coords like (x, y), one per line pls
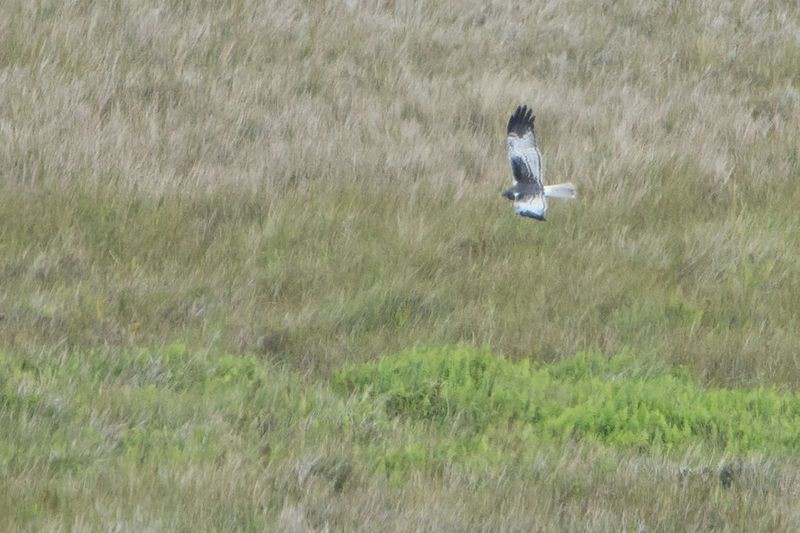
(206, 438)
(589, 397)
(142, 406)
(159, 427)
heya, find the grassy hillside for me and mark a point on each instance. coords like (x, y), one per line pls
(212, 212)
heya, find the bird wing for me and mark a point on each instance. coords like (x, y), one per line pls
(526, 162)
(532, 206)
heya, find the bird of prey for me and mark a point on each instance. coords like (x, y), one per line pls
(528, 192)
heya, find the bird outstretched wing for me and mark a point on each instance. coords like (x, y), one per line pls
(523, 154)
(527, 191)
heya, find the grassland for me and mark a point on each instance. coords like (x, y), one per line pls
(221, 222)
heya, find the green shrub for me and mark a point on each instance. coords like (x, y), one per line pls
(611, 400)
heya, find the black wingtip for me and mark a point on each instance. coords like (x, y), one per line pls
(534, 216)
(521, 121)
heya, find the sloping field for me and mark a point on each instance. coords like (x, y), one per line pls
(256, 271)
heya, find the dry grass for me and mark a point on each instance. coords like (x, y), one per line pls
(318, 183)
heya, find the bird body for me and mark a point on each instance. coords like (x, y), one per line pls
(528, 192)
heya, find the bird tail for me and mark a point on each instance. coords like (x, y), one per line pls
(562, 191)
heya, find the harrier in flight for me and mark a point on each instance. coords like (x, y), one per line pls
(529, 193)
